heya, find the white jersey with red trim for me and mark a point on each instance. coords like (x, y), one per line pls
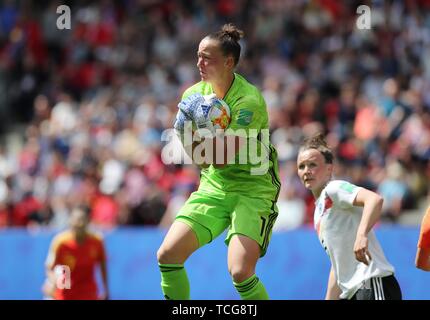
(336, 221)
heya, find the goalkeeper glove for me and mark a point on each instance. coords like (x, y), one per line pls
(190, 104)
(197, 108)
(180, 122)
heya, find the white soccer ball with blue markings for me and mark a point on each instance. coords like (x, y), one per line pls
(219, 113)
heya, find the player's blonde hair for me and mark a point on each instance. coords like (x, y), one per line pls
(319, 143)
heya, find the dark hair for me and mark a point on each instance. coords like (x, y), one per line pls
(228, 38)
(319, 143)
(84, 209)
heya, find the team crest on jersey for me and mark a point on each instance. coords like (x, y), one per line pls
(245, 117)
(328, 203)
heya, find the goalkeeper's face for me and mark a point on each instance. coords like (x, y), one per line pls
(212, 64)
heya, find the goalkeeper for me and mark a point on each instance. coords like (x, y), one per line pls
(240, 197)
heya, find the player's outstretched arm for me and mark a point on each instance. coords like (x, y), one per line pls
(48, 287)
(372, 207)
(333, 290)
(422, 260)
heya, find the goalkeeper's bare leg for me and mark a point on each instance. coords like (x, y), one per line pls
(243, 255)
(179, 243)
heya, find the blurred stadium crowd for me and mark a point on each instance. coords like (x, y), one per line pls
(93, 101)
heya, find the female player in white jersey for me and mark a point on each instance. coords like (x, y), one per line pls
(344, 217)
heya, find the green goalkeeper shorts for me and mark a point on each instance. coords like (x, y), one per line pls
(210, 214)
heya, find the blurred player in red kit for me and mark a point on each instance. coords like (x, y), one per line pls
(78, 251)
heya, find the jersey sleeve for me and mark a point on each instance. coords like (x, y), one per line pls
(342, 193)
(424, 239)
(247, 119)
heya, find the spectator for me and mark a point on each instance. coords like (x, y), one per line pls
(109, 86)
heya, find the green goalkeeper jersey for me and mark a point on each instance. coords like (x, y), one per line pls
(255, 169)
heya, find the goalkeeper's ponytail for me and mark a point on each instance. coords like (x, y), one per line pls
(229, 37)
(230, 30)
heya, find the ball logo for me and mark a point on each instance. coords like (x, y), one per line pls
(219, 113)
(223, 120)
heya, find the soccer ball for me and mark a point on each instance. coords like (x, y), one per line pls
(219, 113)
